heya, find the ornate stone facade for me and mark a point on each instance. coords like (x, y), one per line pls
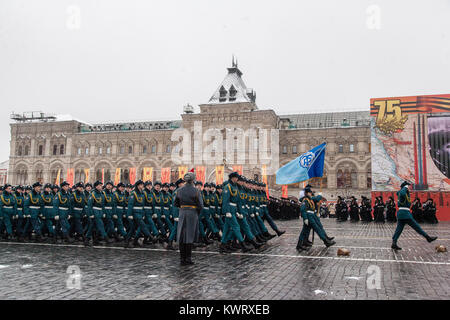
(40, 149)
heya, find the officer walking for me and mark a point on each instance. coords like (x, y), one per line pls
(8, 207)
(404, 216)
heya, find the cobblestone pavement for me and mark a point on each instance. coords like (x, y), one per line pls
(277, 271)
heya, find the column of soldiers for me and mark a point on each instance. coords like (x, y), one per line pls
(382, 211)
(233, 214)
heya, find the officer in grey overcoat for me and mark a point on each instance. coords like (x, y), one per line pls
(190, 202)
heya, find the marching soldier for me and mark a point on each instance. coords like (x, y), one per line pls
(390, 212)
(8, 208)
(108, 212)
(119, 209)
(96, 207)
(158, 210)
(32, 210)
(136, 205)
(62, 206)
(48, 212)
(166, 209)
(79, 202)
(404, 216)
(19, 217)
(261, 187)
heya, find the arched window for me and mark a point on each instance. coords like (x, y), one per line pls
(352, 147)
(41, 150)
(61, 149)
(168, 148)
(153, 149)
(107, 175)
(98, 175)
(125, 178)
(341, 148)
(122, 149)
(108, 150)
(19, 151)
(86, 150)
(100, 150)
(55, 149)
(294, 149)
(27, 150)
(340, 179)
(284, 149)
(144, 149)
(79, 151)
(130, 150)
(354, 179)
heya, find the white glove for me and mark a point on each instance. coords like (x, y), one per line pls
(56, 218)
(17, 216)
(130, 217)
(163, 216)
(240, 216)
(29, 216)
(176, 219)
(154, 216)
(115, 217)
(170, 217)
(124, 216)
(216, 215)
(257, 214)
(92, 217)
(43, 218)
(68, 217)
(40, 216)
(252, 215)
(228, 215)
(306, 221)
(104, 216)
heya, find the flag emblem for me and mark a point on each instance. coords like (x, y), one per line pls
(306, 159)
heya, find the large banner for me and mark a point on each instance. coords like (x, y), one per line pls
(147, 174)
(70, 176)
(181, 172)
(86, 175)
(219, 174)
(264, 179)
(409, 141)
(165, 175)
(117, 176)
(238, 169)
(132, 176)
(410, 137)
(200, 174)
(58, 177)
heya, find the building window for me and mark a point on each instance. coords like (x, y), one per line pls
(108, 150)
(19, 152)
(86, 151)
(144, 149)
(341, 148)
(122, 149)
(130, 150)
(61, 149)
(55, 150)
(41, 150)
(284, 149)
(168, 148)
(153, 149)
(352, 148)
(294, 149)
(100, 150)
(79, 151)
(27, 150)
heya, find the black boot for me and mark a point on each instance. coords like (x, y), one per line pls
(280, 233)
(66, 238)
(189, 254)
(395, 246)
(269, 236)
(183, 254)
(261, 239)
(223, 248)
(257, 245)
(87, 242)
(136, 242)
(170, 245)
(330, 238)
(108, 240)
(329, 243)
(431, 239)
(244, 248)
(307, 244)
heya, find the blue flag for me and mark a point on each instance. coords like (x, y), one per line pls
(308, 165)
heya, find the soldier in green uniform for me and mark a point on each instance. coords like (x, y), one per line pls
(261, 190)
(136, 205)
(218, 217)
(96, 205)
(149, 211)
(158, 210)
(255, 206)
(19, 217)
(166, 209)
(32, 210)
(204, 241)
(308, 212)
(48, 212)
(62, 206)
(229, 207)
(79, 202)
(404, 216)
(8, 208)
(120, 207)
(205, 217)
(108, 212)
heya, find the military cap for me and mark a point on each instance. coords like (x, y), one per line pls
(138, 183)
(19, 187)
(37, 184)
(165, 185)
(212, 185)
(198, 183)
(88, 185)
(1, 188)
(157, 183)
(241, 178)
(234, 175)
(129, 185)
(110, 183)
(405, 183)
(308, 190)
(148, 183)
(120, 184)
(47, 185)
(79, 185)
(97, 183)
(64, 183)
(55, 187)
(172, 184)
(178, 182)
(219, 186)
(7, 186)
(206, 185)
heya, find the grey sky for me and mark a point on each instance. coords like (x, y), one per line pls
(146, 59)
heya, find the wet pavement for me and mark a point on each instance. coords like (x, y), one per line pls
(277, 271)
